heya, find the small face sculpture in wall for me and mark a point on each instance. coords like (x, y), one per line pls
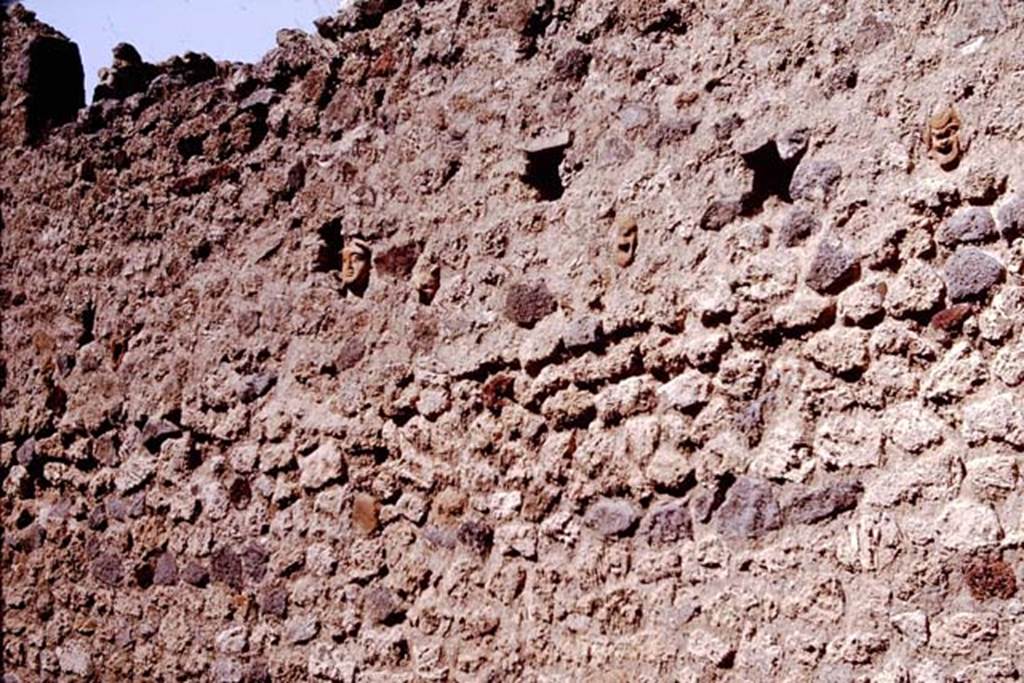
(626, 236)
(355, 265)
(942, 134)
(426, 278)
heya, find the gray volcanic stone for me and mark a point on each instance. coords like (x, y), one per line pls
(611, 517)
(825, 502)
(815, 180)
(668, 523)
(833, 267)
(798, 225)
(750, 509)
(1011, 218)
(226, 567)
(107, 568)
(166, 571)
(971, 273)
(526, 303)
(970, 225)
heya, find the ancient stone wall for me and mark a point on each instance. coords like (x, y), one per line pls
(532, 340)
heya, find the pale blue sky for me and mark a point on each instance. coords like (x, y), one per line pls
(240, 30)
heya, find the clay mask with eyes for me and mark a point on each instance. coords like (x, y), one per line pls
(355, 264)
(626, 236)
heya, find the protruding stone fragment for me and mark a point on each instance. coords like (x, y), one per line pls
(611, 517)
(195, 574)
(917, 289)
(1011, 219)
(842, 352)
(824, 502)
(328, 662)
(226, 567)
(815, 180)
(967, 525)
(107, 567)
(833, 268)
(750, 509)
(798, 225)
(971, 273)
(970, 225)
(476, 536)
(720, 213)
(687, 393)
(527, 303)
(166, 571)
(863, 304)
(321, 467)
(669, 523)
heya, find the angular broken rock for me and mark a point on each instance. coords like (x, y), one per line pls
(798, 225)
(166, 571)
(824, 503)
(321, 467)
(815, 180)
(750, 509)
(611, 517)
(668, 523)
(971, 273)
(833, 267)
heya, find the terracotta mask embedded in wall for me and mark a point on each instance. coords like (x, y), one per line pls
(355, 264)
(942, 135)
(626, 236)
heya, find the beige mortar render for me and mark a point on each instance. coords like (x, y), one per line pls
(543, 340)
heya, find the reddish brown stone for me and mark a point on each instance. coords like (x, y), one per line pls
(952, 318)
(989, 577)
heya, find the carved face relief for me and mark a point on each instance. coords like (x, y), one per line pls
(626, 235)
(355, 264)
(427, 280)
(943, 137)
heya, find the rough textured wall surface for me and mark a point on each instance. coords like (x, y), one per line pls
(542, 340)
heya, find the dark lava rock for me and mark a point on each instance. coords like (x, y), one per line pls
(572, 66)
(274, 601)
(672, 132)
(195, 574)
(797, 226)
(226, 567)
(165, 572)
(833, 267)
(254, 386)
(611, 517)
(526, 303)
(255, 558)
(26, 453)
(108, 568)
(399, 261)
(720, 213)
(1011, 218)
(476, 536)
(970, 273)
(970, 225)
(668, 523)
(750, 509)
(815, 180)
(824, 503)
(380, 606)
